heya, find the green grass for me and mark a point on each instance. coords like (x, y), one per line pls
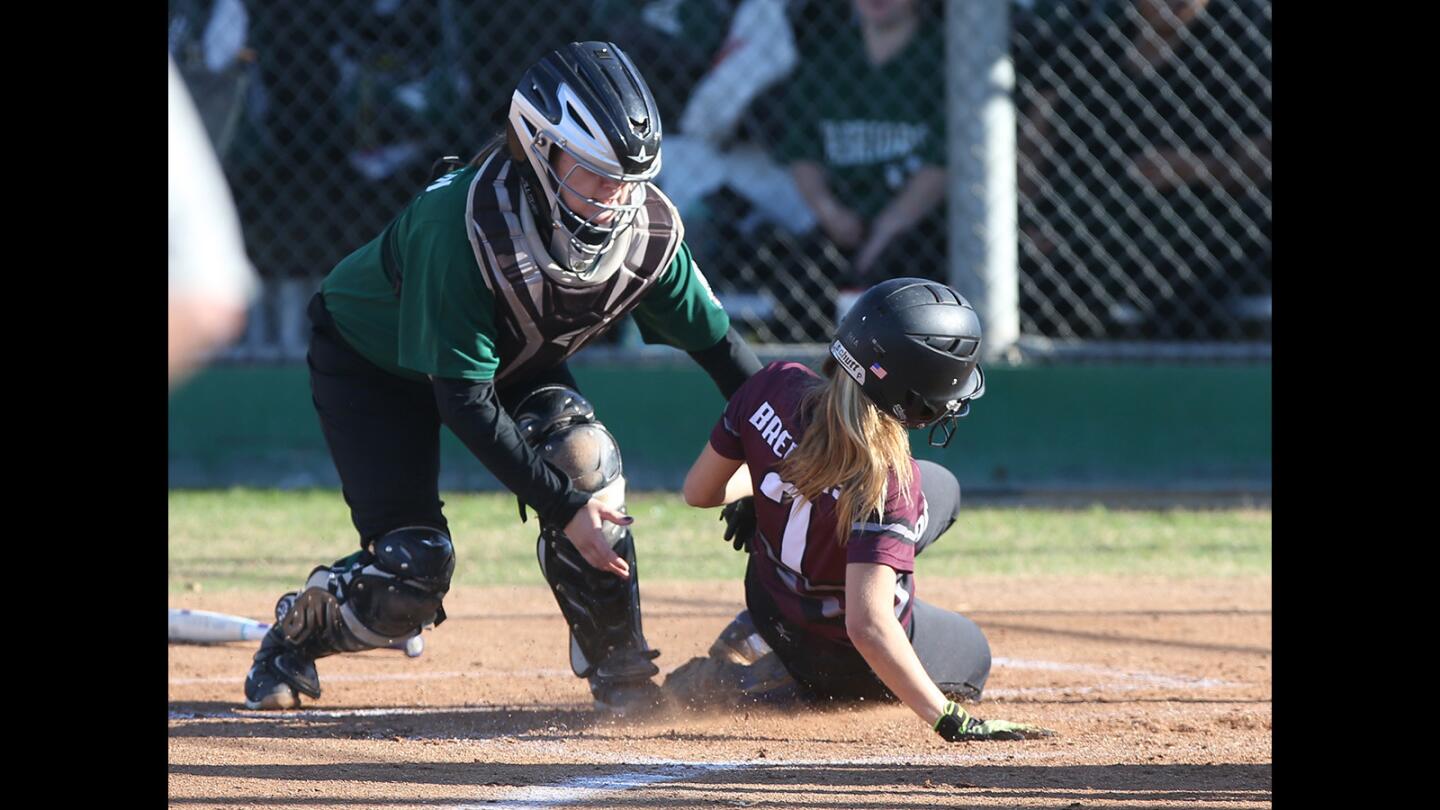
(268, 540)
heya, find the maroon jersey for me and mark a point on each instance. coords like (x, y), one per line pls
(795, 555)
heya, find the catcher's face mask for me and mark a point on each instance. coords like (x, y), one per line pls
(590, 208)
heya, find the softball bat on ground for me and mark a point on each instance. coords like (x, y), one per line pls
(208, 627)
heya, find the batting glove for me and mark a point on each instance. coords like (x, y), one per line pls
(739, 517)
(956, 725)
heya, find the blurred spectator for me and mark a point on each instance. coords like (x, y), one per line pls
(360, 98)
(364, 95)
(1145, 167)
(671, 40)
(211, 281)
(516, 34)
(400, 87)
(708, 151)
(288, 201)
(718, 169)
(866, 144)
(210, 44)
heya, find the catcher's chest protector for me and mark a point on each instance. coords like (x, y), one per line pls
(540, 320)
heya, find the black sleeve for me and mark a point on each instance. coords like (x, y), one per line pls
(729, 362)
(473, 412)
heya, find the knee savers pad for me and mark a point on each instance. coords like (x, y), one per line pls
(384, 594)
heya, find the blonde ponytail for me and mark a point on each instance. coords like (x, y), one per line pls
(850, 444)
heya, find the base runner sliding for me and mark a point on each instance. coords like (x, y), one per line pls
(823, 493)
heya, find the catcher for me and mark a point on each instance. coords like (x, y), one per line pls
(823, 492)
(462, 312)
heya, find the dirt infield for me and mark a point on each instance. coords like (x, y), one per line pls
(1160, 691)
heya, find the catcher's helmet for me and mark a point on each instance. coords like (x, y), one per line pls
(914, 347)
(588, 99)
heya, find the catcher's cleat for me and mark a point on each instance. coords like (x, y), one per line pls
(265, 688)
(621, 683)
(278, 674)
(626, 698)
(739, 642)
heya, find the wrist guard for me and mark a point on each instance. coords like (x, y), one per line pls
(954, 722)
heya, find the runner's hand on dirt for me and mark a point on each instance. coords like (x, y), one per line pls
(584, 531)
(956, 725)
(739, 517)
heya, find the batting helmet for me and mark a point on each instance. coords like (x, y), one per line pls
(914, 348)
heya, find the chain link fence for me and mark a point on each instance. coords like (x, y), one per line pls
(1144, 169)
(805, 144)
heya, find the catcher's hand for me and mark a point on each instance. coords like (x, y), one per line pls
(739, 517)
(956, 725)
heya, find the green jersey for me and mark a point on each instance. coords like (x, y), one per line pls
(871, 127)
(456, 286)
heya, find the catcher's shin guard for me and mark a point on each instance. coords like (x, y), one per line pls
(607, 641)
(373, 598)
(607, 644)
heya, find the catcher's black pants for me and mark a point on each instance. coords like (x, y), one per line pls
(384, 431)
(951, 647)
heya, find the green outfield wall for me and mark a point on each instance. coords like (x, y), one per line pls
(1053, 428)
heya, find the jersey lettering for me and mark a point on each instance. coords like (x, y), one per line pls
(782, 444)
(858, 143)
(772, 430)
(762, 415)
(443, 181)
(695, 268)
